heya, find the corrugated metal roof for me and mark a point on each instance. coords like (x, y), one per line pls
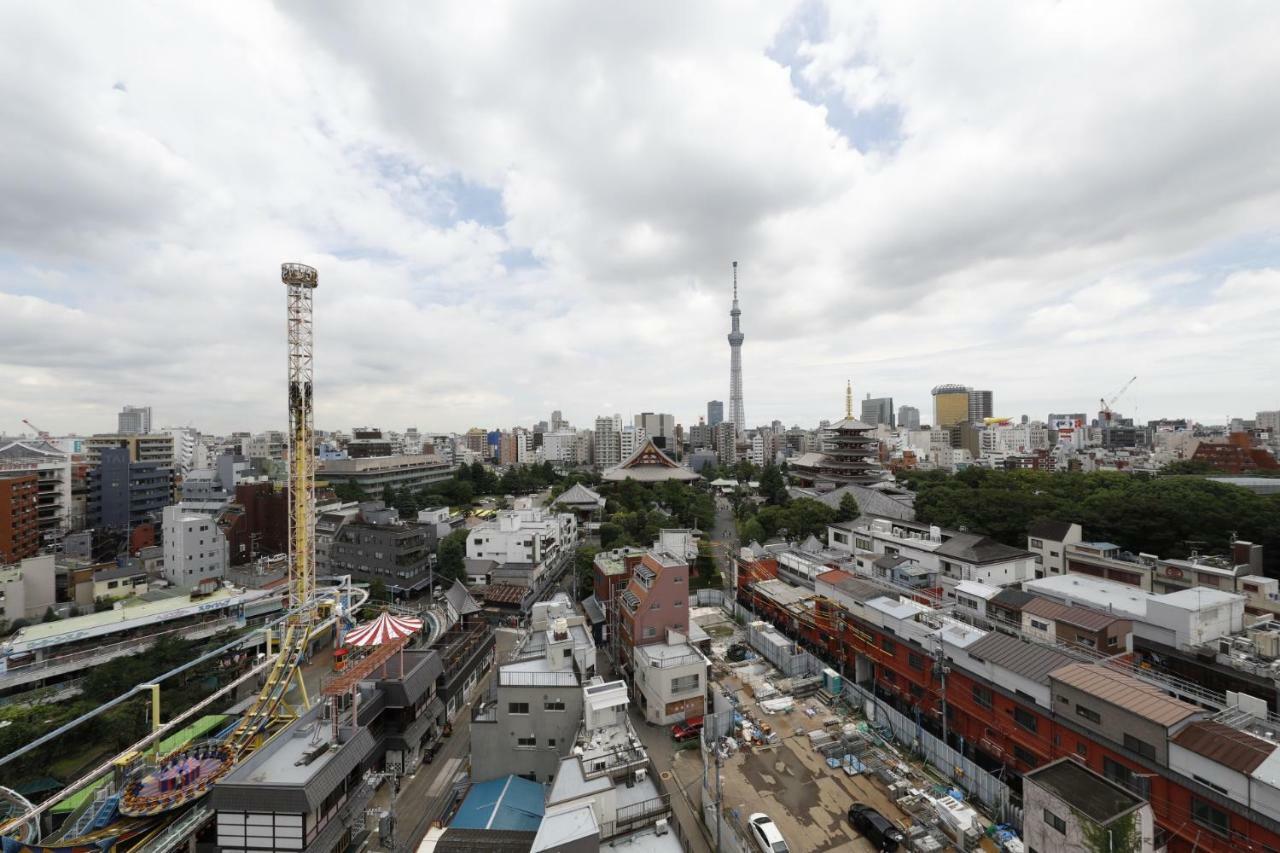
(1125, 691)
(1230, 747)
(1029, 660)
(1079, 617)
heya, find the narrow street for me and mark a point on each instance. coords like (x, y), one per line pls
(423, 793)
(724, 537)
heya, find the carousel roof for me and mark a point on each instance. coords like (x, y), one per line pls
(382, 630)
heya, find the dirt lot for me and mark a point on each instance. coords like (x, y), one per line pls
(791, 783)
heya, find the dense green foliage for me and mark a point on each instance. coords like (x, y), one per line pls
(451, 556)
(796, 519)
(117, 728)
(635, 512)
(1169, 515)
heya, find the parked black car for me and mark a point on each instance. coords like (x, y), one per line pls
(875, 827)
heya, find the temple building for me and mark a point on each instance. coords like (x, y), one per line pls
(648, 464)
(849, 454)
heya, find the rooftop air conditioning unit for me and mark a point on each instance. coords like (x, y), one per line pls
(641, 774)
(661, 828)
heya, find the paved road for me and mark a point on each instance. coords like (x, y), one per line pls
(725, 536)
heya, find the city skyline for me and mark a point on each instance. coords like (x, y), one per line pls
(899, 222)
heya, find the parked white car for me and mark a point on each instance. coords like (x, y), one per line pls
(766, 834)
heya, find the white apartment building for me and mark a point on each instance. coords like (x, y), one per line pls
(157, 447)
(1014, 438)
(27, 588)
(524, 447)
(523, 536)
(672, 680)
(954, 556)
(560, 446)
(194, 547)
(630, 439)
(268, 445)
(608, 443)
(55, 510)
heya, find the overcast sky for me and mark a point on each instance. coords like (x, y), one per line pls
(520, 207)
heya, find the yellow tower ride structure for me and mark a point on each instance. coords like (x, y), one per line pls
(180, 778)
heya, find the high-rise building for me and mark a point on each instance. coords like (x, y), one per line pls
(736, 414)
(19, 526)
(878, 410)
(715, 412)
(979, 405)
(950, 405)
(134, 420)
(1268, 421)
(608, 443)
(908, 417)
(124, 493)
(661, 428)
(631, 439)
(557, 421)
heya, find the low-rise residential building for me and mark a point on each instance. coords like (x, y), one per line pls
(952, 555)
(1067, 807)
(27, 589)
(655, 601)
(195, 548)
(671, 680)
(528, 723)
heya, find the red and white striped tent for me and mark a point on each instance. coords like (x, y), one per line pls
(382, 630)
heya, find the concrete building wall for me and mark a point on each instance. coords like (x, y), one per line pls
(497, 748)
(194, 548)
(1113, 723)
(1042, 837)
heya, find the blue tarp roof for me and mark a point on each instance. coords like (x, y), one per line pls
(506, 803)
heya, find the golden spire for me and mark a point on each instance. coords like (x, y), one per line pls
(848, 400)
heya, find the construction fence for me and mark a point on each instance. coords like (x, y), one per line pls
(996, 798)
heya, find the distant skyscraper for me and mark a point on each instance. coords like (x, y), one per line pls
(908, 417)
(715, 413)
(950, 405)
(877, 410)
(134, 420)
(557, 422)
(736, 415)
(979, 405)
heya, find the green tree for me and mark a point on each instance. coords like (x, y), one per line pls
(347, 492)
(611, 536)
(451, 556)
(773, 486)
(583, 571)
(388, 496)
(705, 566)
(49, 615)
(378, 590)
(752, 531)
(848, 509)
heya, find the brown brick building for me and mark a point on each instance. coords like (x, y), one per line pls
(19, 527)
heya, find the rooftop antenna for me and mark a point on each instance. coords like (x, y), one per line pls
(848, 399)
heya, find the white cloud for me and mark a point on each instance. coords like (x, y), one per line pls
(1075, 193)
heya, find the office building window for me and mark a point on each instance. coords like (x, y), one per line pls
(1141, 747)
(1056, 822)
(517, 707)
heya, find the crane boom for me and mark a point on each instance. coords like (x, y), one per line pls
(1104, 405)
(40, 432)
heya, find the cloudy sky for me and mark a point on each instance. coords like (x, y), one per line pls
(520, 207)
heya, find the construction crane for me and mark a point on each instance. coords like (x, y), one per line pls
(1104, 405)
(40, 432)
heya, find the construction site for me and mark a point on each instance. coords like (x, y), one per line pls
(787, 738)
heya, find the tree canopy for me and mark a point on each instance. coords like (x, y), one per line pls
(1168, 515)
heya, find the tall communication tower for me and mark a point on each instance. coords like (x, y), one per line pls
(301, 281)
(736, 414)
